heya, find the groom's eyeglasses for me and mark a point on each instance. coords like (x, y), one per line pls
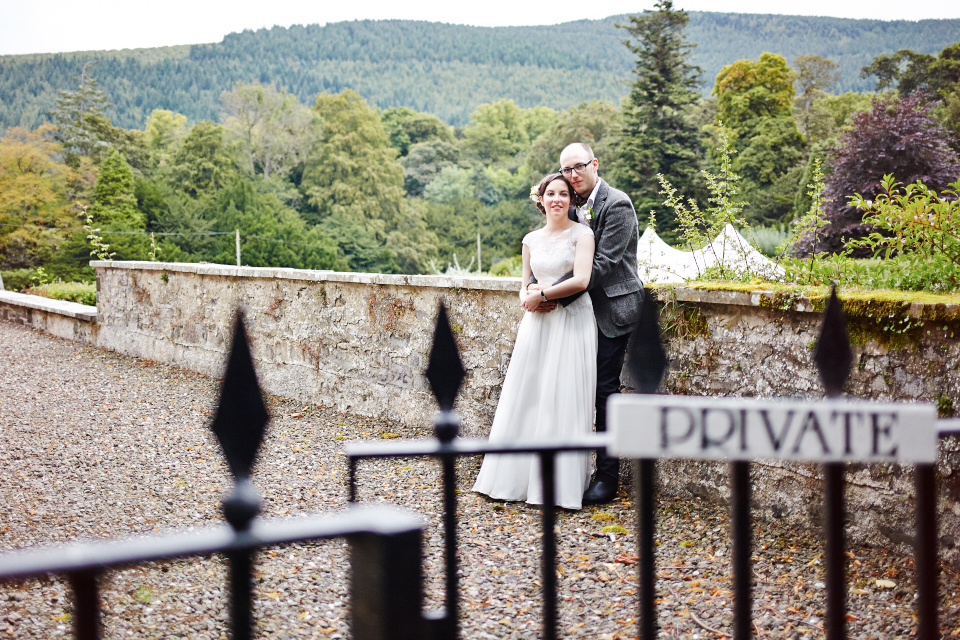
(578, 168)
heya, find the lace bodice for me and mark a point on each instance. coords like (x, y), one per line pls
(551, 258)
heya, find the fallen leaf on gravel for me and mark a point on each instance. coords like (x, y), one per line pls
(274, 594)
(850, 617)
(389, 436)
(886, 584)
(625, 559)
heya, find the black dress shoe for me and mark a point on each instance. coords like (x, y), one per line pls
(600, 492)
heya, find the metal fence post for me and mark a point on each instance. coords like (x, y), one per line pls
(548, 522)
(925, 552)
(86, 604)
(241, 594)
(386, 586)
(742, 550)
(646, 574)
(833, 358)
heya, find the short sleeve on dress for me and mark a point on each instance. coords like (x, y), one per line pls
(528, 239)
(580, 231)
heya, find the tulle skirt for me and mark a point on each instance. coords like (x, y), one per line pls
(548, 394)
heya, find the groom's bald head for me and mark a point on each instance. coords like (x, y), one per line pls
(571, 157)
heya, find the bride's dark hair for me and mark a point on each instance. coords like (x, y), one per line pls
(542, 187)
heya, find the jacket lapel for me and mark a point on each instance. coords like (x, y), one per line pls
(598, 203)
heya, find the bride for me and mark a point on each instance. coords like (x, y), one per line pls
(549, 389)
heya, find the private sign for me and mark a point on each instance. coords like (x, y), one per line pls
(647, 426)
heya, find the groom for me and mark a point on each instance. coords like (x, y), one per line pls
(615, 289)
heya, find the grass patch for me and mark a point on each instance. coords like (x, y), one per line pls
(82, 292)
(614, 528)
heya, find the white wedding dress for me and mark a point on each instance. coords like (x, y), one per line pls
(549, 390)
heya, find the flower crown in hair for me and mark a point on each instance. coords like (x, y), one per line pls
(535, 194)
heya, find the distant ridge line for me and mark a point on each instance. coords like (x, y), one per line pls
(441, 68)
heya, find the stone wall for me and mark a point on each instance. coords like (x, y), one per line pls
(359, 342)
(63, 319)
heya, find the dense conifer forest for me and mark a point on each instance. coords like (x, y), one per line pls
(440, 68)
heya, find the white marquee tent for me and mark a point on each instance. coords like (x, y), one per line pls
(661, 263)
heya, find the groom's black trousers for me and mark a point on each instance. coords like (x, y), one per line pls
(610, 354)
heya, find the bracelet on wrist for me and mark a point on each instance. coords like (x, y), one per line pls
(543, 295)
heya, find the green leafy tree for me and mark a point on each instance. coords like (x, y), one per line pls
(538, 120)
(748, 90)
(354, 185)
(164, 129)
(948, 114)
(497, 131)
(754, 100)
(271, 234)
(451, 184)
(501, 228)
(354, 170)
(35, 190)
(657, 138)
(201, 163)
(275, 131)
(816, 76)
(593, 123)
(132, 143)
(424, 162)
(830, 113)
(907, 71)
(407, 127)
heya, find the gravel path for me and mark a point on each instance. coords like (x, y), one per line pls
(97, 445)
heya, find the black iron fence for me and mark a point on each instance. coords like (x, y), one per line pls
(386, 584)
(646, 362)
(385, 543)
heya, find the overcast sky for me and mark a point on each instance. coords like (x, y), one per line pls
(42, 26)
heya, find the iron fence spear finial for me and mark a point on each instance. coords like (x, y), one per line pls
(445, 374)
(646, 357)
(240, 425)
(833, 355)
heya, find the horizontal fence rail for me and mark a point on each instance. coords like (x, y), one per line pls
(369, 528)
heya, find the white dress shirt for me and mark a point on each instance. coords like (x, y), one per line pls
(582, 211)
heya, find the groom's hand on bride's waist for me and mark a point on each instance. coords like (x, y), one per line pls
(573, 296)
(541, 306)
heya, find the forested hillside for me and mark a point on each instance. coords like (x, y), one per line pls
(440, 68)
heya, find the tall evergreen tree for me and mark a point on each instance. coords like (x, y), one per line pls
(78, 115)
(114, 202)
(656, 136)
(114, 206)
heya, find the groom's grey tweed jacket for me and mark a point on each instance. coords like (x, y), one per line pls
(615, 286)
